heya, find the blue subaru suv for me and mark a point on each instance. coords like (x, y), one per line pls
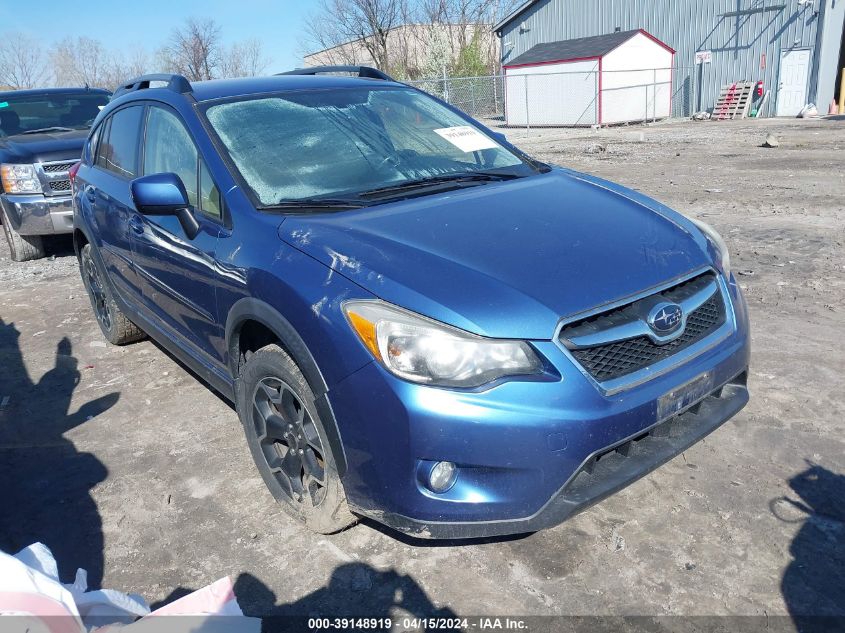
(416, 321)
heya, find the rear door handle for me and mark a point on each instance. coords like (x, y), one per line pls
(90, 194)
(136, 225)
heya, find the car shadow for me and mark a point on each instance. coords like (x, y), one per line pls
(354, 589)
(813, 584)
(45, 482)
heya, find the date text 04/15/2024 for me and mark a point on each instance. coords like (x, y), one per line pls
(418, 623)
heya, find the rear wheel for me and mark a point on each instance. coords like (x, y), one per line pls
(288, 441)
(117, 329)
(22, 247)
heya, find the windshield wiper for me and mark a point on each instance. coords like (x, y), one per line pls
(318, 203)
(54, 128)
(421, 183)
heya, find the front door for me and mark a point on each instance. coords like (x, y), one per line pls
(792, 89)
(177, 273)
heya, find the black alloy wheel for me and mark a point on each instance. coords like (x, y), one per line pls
(289, 441)
(99, 299)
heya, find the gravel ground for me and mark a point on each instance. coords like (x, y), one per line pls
(124, 464)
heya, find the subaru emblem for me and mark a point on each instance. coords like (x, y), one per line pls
(665, 318)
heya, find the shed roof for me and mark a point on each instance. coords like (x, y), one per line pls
(580, 48)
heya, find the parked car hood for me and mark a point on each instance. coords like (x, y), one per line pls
(506, 259)
(44, 147)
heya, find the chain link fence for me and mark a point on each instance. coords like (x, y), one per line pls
(581, 98)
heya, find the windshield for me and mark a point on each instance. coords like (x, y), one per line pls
(338, 143)
(73, 111)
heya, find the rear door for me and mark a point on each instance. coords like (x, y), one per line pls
(116, 163)
(177, 275)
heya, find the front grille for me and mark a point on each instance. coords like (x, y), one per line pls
(54, 168)
(60, 185)
(615, 359)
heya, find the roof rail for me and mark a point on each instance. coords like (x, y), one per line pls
(176, 83)
(365, 72)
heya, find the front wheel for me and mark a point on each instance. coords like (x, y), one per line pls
(288, 441)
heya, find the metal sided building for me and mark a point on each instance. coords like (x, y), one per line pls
(605, 79)
(795, 47)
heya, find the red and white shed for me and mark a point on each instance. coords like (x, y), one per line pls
(615, 78)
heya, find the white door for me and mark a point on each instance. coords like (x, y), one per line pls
(792, 87)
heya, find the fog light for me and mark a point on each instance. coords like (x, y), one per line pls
(442, 476)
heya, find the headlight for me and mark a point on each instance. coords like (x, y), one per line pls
(421, 350)
(19, 179)
(719, 245)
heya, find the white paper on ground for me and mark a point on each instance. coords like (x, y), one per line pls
(466, 138)
(30, 589)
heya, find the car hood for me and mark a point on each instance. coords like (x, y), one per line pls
(37, 148)
(506, 259)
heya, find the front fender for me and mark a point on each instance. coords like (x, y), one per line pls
(251, 309)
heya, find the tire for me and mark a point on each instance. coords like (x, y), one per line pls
(288, 441)
(117, 329)
(22, 248)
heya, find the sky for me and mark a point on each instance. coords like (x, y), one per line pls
(121, 23)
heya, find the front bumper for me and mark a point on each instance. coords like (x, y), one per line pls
(602, 473)
(37, 214)
(529, 453)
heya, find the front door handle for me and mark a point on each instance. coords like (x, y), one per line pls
(136, 225)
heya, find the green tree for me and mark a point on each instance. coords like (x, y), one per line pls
(470, 61)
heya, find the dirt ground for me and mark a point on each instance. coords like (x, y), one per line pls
(123, 463)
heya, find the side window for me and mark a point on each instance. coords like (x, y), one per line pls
(169, 148)
(118, 150)
(91, 149)
(102, 149)
(210, 195)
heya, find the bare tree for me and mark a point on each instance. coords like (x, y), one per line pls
(244, 59)
(22, 61)
(83, 61)
(367, 24)
(194, 50)
(409, 38)
(79, 61)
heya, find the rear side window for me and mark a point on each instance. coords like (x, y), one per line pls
(91, 148)
(118, 151)
(101, 146)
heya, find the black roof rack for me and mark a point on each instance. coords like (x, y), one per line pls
(365, 72)
(176, 83)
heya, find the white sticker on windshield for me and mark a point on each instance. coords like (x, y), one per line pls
(466, 138)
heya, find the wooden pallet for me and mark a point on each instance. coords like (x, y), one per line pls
(734, 101)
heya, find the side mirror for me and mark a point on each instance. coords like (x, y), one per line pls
(164, 194)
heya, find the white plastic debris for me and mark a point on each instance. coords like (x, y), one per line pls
(31, 591)
(809, 111)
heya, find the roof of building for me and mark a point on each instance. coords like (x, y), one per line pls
(513, 15)
(580, 48)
